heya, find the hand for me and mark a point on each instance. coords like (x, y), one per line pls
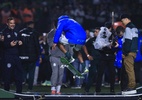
(13, 43)
(123, 56)
(116, 45)
(20, 42)
(54, 46)
(89, 57)
(40, 60)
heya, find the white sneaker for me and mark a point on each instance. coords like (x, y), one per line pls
(129, 92)
(85, 71)
(71, 60)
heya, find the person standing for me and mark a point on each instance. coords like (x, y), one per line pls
(129, 50)
(29, 52)
(93, 56)
(104, 43)
(12, 63)
(56, 65)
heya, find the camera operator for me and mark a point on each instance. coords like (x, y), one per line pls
(104, 44)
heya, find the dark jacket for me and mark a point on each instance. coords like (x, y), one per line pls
(130, 43)
(9, 36)
(30, 50)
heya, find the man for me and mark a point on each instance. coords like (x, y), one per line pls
(74, 35)
(93, 56)
(129, 49)
(12, 63)
(29, 52)
(104, 44)
(56, 65)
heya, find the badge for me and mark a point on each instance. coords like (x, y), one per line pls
(8, 36)
(8, 65)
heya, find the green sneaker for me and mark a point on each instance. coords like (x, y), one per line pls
(85, 71)
(48, 83)
(43, 84)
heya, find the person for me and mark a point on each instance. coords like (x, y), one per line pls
(118, 60)
(12, 63)
(129, 50)
(93, 56)
(104, 44)
(79, 82)
(1, 57)
(45, 66)
(56, 65)
(29, 52)
(74, 34)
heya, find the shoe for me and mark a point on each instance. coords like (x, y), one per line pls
(65, 85)
(46, 83)
(76, 87)
(129, 91)
(106, 85)
(71, 60)
(53, 92)
(85, 71)
(43, 84)
(58, 93)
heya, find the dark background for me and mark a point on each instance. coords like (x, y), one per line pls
(96, 12)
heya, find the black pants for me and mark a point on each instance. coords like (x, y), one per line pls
(45, 71)
(12, 70)
(106, 62)
(92, 73)
(29, 69)
(1, 69)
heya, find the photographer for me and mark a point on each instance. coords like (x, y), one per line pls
(107, 51)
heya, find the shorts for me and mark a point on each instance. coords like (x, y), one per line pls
(64, 41)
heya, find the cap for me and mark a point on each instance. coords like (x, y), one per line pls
(125, 16)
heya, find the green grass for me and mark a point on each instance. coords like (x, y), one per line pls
(69, 90)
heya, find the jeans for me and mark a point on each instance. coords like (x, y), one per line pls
(77, 65)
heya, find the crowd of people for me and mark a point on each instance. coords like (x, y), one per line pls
(32, 43)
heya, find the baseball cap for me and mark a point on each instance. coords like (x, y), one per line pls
(125, 16)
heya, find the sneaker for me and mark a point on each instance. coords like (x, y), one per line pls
(53, 92)
(58, 93)
(85, 71)
(106, 85)
(76, 87)
(46, 83)
(71, 60)
(129, 91)
(43, 84)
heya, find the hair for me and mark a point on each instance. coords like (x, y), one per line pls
(108, 25)
(97, 28)
(120, 29)
(10, 18)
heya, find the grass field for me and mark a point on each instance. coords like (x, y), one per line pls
(68, 90)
